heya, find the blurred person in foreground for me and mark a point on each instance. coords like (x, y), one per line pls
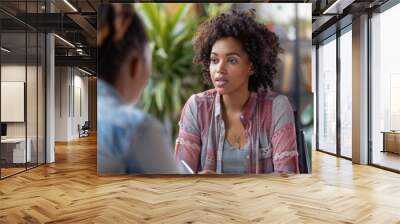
(240, 126)
(129, 140)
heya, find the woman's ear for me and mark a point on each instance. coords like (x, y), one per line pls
(133, 67)
(251, 70)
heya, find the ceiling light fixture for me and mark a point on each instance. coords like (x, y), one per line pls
(338, 6)
(65, 41)
(84, 71)
(70, 5)
(5, 50)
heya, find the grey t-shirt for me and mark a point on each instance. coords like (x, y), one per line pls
(235, 160)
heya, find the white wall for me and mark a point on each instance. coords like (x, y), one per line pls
(12, 73)
(80, 104)
(61, 103)
(71, 94)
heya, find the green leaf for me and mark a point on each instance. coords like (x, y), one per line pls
(176, 96)
(161, 52)
(146, 97)
(180, 14)
(160, 96)
(150, 11)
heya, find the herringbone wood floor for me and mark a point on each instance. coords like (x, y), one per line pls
(69, 191)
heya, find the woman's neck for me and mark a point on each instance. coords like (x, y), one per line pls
(235, 101)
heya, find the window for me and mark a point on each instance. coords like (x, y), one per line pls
(346, 93)
(327, 96)
(385, 87)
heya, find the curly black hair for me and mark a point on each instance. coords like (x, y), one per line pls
(260, 44)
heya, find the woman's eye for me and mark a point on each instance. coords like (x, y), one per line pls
(232, 60)
(214, 61)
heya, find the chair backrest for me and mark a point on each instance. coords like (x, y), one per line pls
(86, 125)
(304, 157)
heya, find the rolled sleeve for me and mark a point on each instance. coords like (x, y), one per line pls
(187, 146)
(284, 146)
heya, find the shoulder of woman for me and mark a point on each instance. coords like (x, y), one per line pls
(197, 98)
(131, 118)
(281, 101)
(282, 110)
(146, 120)
(144, 126)
(150, 120)
(208, 94)
(276, 98)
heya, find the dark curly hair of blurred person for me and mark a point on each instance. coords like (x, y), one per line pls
(120, 32)
(260, 44)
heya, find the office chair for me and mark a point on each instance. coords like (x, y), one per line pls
(84, 130)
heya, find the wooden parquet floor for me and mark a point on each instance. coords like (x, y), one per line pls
(69, 191)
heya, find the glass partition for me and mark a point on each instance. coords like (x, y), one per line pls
(22, 90)
(31, 99)
(14, 151)
(41, 87)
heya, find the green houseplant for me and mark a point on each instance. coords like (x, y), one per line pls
(174, 76)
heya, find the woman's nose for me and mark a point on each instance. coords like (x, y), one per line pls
(221, 67)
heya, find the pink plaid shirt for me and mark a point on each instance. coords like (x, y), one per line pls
(269, 125)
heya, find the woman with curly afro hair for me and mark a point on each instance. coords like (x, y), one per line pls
(240, 125)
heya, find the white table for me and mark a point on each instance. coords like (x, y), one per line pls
(18, 145)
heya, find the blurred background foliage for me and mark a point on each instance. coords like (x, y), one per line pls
(174, 77)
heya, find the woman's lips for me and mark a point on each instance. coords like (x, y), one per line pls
(220, 82)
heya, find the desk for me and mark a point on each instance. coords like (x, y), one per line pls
(16, 147)
(391, 141)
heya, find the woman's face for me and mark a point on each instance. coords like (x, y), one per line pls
(230, 66)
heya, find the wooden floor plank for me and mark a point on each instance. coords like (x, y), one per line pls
(70, 191)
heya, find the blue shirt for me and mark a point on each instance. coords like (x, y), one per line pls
(128, 139)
